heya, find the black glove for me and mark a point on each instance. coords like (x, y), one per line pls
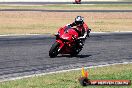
(88, 32)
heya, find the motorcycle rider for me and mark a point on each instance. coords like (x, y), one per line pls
(81, 28)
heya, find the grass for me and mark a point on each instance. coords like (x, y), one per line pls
(127, 0)
(65, 6)
(48, 22)
(70, 79)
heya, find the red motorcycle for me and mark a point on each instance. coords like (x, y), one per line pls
(66, 42)
(77, 2)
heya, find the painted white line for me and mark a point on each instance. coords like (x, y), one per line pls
(41, 74)
(113, 32)
(22, 35)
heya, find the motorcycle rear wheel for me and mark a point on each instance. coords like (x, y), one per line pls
(54, 50)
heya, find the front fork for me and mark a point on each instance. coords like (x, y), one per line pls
(61, 45)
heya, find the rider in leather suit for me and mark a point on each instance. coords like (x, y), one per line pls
(82, 29)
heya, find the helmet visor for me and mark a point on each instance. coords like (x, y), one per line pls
(78, 22)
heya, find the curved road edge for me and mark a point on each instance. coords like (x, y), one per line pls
(62, 71)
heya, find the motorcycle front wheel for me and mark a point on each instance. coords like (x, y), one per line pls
(54, 50)
(75, 52)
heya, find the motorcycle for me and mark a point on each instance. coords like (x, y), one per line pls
(66, 42)
(77, 2)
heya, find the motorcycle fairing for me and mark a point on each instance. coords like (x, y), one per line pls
(66, 39)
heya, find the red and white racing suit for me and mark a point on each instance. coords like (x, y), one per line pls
(83, 29)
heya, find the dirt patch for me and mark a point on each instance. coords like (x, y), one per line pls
(49, 22)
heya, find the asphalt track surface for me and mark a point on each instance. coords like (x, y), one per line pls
(41, 10)
(27, 55)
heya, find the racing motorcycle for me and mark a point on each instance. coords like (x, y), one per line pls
(77, 2)
(66, 42)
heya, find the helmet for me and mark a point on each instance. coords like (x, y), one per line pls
(79, 20)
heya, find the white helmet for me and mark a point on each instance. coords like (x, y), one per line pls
(79, 20)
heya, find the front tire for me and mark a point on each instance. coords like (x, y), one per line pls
(75, 52)
(54, 50)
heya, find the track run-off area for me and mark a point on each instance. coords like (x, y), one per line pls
(63, 3)
(28, 55)
(40, 10)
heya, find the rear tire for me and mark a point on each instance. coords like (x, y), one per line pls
(54, 50)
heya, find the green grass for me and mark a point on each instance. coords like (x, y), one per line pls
(127, 0)
(70, 79)
(119, 6)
